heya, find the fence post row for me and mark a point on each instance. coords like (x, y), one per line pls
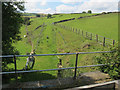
(78, 31)
(76, 66)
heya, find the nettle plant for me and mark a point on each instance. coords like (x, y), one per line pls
(113, 62)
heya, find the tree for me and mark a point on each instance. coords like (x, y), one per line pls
(11, 23)
(83, 12)
(49, 16)
(89, 11)
(104, 13)
(37, 15)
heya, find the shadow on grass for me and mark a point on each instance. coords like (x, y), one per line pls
(27, 77)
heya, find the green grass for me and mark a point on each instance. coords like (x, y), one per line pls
(104, 25)
(68, 16)
(60, 41)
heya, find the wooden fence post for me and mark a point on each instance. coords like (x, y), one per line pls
(76, 30)
(96, 37)
(91, 36)
(104, 42)
(73, 29)
(113, 42)
(59, 66)
(86, 34)
(75, 74)
(82, 32)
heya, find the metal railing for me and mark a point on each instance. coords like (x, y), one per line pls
(76, 62)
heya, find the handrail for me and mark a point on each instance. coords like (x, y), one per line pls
(76, 61)
(5, 56)
(52, 69)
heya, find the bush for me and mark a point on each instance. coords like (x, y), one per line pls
(37, 15)
(104, 13)
(27, 21)
(89, 11)
(83, 12)
(49, 16)
(113, 63)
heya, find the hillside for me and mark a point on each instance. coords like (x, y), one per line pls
(60, 40)
(105, 25)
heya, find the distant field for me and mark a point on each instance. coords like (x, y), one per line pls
(104, 25)
(68, 16)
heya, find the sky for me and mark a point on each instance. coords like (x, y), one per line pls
(70, 6)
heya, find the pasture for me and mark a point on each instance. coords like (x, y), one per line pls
(104, 25)
(61, 41)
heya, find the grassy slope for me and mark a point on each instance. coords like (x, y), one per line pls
(104, 25)
(68, 16)
(55, 44)
(43, 47)
(75, 43)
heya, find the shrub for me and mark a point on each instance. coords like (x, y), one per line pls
(113, 63)
(27, 20)
(37, 15)
(49, 16)
(83, 12)
(89, 11)
(104, 13)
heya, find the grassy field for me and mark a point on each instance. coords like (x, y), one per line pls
(60, 41)
(68, 16)
(104, 25)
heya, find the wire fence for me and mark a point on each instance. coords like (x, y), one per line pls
(91, 36)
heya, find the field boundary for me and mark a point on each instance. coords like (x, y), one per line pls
(98, 38)
(77, 18)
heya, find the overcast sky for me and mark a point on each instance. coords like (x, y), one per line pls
(70, 6)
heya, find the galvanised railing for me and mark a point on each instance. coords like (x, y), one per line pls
(76, 62)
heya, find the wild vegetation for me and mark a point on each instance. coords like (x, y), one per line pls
(11, 23)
